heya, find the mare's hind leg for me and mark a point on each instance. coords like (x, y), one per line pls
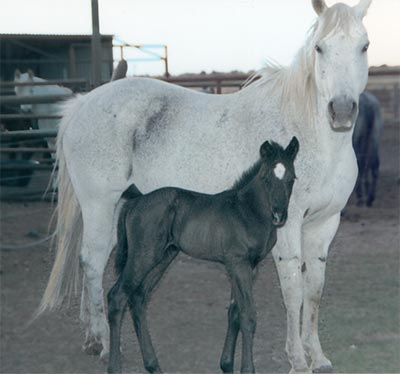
(97, 243)
(138, 299)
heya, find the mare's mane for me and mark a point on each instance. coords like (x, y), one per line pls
(295, 84)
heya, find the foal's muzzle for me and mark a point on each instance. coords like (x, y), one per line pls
(279, 218)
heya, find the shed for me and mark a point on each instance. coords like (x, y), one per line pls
(53, 56)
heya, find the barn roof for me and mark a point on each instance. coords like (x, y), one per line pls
(69, 37)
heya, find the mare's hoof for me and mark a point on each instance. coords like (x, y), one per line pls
(104, 356)
(301, 371)
(93, 348)
(323, 369)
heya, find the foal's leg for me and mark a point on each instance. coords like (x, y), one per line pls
(242, 285)
(316, 241)
(138, 307)
(117, 301)
(228, 353)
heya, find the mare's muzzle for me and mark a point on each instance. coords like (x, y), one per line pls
(342, 112)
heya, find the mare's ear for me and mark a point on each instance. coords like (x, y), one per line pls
(30, 74)
(267, 151)
(362, 7)
(17, 74)
(319, 6)
(292, 149)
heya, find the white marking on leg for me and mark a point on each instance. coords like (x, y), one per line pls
(279, 170)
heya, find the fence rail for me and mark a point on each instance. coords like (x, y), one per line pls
(16, 117)
(51, 82)
(26, 150)
(27, 134)
(39, 99)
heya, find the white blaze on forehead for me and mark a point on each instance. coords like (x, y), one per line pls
(279, 170)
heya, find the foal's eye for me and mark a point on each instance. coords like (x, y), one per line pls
(365, 48)
(318, 48)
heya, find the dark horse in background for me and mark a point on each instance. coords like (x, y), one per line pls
(366, 137)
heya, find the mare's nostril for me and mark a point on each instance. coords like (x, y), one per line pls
(331, 110)
(354, 107)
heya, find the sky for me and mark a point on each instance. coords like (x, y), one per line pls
(201, 35)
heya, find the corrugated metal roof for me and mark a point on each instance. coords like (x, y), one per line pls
(52, 36)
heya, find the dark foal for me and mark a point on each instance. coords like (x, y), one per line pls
(236, 228)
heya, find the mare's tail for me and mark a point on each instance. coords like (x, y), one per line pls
(65, 272)
(122, 243)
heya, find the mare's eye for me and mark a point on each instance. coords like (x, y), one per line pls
(318, 48)
(365, 48)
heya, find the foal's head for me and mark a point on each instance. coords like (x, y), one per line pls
(278, 174)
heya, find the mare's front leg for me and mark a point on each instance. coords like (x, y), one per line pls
(317, 236)
(287, 257)
(242, 286)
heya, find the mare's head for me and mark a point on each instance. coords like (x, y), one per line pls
(338, 47)
(278, 174)
(25, 90)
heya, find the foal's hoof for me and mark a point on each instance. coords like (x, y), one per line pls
(92, 348)
(323, 369)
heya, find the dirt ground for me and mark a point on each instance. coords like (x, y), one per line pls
(359, 318)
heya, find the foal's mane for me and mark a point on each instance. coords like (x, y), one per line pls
(251, 172)
(295, 84)
(247, 176)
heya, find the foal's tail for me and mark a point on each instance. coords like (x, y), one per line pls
(122, 243)
(65, 273)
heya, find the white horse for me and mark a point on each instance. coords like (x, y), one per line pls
(155, 134)
(40, 109)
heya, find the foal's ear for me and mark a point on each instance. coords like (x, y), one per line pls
(267, 151)
(292, 149)
(17, 74)
(30, 74)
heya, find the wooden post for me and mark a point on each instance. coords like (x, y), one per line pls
(166, 62)
(96, 45)
(72, 62)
